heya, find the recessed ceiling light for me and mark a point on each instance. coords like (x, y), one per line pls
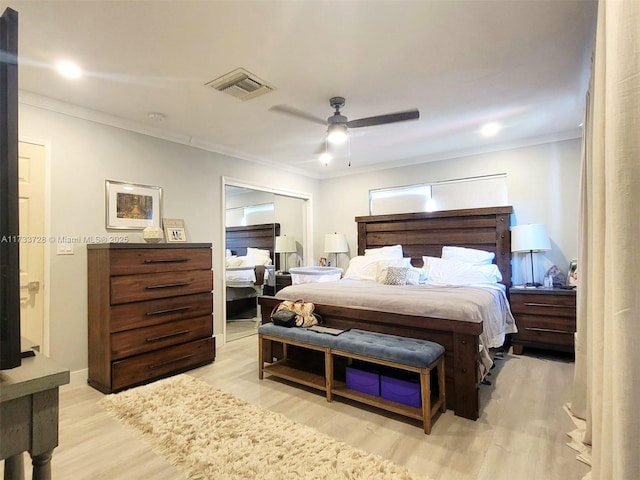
(69, 69)
(490, 129)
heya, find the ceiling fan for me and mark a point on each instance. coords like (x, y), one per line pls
(338, 125)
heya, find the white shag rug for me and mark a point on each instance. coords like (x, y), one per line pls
(214, 435)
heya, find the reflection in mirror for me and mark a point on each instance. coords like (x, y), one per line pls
(253, 219)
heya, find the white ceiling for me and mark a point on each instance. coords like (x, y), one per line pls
(461, 63)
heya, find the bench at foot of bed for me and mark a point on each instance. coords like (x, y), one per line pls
(387, 351)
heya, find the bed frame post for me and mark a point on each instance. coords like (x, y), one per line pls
(465, 353)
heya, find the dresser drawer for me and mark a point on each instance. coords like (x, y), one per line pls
(133, 288)
(152, 365)
(126, 262)
(548, 305)
(552, 324)
(140, 340)
(540, 331)
(151, 312)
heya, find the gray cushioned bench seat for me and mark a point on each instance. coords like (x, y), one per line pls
(298, 334)
(403, 350)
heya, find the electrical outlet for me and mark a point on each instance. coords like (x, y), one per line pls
(64, 248)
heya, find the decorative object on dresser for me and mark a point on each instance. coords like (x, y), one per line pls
(174, 230)
(131, 206)
(546, 318)
(150, 311)
(335, 243)
(153, 234)
(530, 238)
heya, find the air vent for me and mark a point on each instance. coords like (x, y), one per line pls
(240, 84)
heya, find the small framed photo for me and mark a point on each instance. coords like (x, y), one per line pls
(131, 206)
(174, 230)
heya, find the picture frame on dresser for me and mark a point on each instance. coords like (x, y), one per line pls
(174, 230)
(132, 206)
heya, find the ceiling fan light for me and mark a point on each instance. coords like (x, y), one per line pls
(326, 157)
(337, 134)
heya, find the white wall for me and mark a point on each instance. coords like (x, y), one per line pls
(542, 183)
(82, 155)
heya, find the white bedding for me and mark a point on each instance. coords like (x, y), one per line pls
(240, 277)
(486, 303)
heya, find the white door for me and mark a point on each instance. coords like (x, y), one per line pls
(31, 166)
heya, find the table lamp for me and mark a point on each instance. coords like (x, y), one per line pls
(285, 244)
(335, 243)
(530, 238)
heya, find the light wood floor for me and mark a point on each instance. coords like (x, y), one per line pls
(521, 433)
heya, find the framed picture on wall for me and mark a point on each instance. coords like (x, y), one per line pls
(132, 206)
(174, 230)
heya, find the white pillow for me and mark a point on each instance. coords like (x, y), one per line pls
(257, 252)
(251, 260)
(394, 251)
(382, 266)
(362, 268)
(234, 261)
(468, 255)
(451, 272)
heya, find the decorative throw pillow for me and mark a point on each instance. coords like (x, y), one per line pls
(396, 276)
(383, 265)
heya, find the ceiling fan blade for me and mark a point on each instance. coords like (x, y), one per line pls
(297, 113)
(383, 119)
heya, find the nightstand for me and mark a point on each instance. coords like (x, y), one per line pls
(546, 318)
(282, 280)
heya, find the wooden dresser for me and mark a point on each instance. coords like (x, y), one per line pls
(546, 318)
(150, 311)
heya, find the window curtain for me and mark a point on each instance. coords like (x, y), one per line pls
(606, 390)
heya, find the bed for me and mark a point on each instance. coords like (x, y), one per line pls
(247, 273)
(424, 234)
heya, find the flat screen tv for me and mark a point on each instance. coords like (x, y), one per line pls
(10, 356)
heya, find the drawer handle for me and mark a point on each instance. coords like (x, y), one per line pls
(548, 330)
(547, 305)
(168, 310)
(166, 260)
(162, 364)
(168, 285)
(163, 337)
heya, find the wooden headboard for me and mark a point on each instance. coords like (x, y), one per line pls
(427, 232)
(261, 236)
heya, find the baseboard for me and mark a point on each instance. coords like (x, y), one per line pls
(77, 379)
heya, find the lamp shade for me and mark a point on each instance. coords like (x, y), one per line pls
(335, 243)
(285, 244)
(530, 238)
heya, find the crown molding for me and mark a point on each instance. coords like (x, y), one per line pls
(71, 110)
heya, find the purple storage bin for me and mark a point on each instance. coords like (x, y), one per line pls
(363, 381)
(400, 390)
